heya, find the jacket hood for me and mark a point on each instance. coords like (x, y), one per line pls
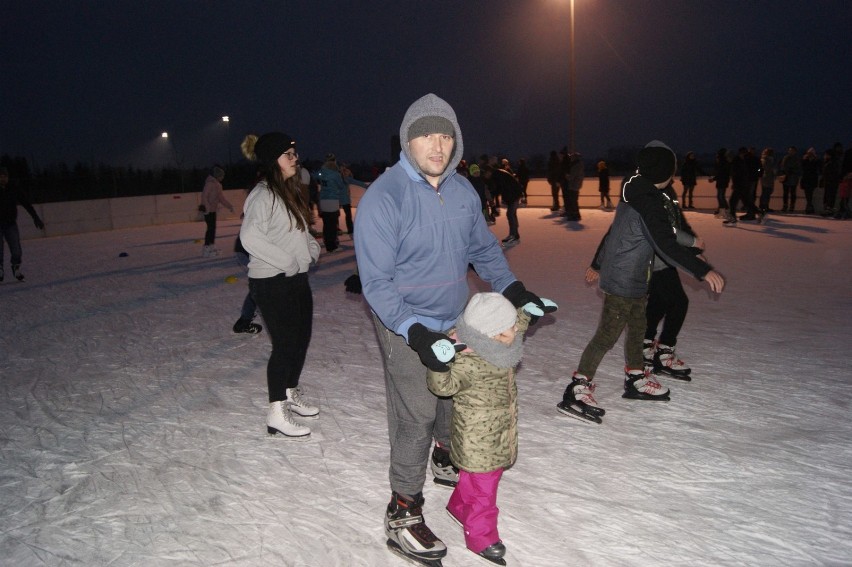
(431, 105)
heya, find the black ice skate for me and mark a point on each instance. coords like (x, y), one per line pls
(579, 400)
(641, 385)
(246, 326)
(16, 271)
(494, 553)
(408, 535)
(443, 470)
(665, 362)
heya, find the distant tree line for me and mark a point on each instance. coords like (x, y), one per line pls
(82, 181)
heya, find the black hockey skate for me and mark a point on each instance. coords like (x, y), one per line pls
(16, 271)
(665, 362)
(408, 535)
(641, 385)
(579, 400)
(445, 473)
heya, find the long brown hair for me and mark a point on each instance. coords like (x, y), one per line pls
(290, 193)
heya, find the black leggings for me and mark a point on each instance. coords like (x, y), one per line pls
(666, 300)
(210, 233)
(287, 307)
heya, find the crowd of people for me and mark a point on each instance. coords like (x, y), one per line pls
(747, 170)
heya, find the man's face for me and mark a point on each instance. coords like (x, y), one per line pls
(432, 154)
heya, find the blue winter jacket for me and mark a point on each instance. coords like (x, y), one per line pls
(414, 245)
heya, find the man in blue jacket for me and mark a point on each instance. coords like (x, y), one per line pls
(419, 226)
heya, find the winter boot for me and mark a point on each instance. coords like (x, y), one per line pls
(246, 326)
(579, 400)
(494, 553)
(280, 420)
(666, 362)
(16, 271)
(408, 534)
(445, 473)
(641, 385)
(648, 349)
(297, 405)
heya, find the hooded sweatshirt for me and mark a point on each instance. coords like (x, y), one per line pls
(415, 243)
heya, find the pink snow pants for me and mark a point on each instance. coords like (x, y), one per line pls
(474, 504)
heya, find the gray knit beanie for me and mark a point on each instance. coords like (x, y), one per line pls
(431, 125)
(490, 313)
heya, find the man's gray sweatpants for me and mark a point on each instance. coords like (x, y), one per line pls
(415, 415)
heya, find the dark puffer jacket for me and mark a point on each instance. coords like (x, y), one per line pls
(641, 227)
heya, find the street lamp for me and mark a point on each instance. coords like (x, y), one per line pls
(571, 87)
(227, 122)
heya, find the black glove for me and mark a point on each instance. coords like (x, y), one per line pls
(429, 345)
(532, 304)
(353, 284)
(38, 223)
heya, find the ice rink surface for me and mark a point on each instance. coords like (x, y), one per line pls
(132, 420)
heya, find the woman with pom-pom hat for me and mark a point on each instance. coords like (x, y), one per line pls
(275, 232)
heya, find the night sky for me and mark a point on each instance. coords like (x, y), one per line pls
(99, 81)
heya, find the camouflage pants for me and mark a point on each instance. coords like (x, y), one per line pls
(618, 312)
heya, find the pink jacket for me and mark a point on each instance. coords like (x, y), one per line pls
(213, 195)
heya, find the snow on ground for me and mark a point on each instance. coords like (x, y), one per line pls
(132, 424)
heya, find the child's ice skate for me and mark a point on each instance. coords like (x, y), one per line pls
(641, 385)
(579, 400)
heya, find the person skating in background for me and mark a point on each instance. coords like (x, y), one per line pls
(506, 185)
(791, 172)
(689, 179)
(346, 197)
(640, 229)
(811, 167)
(476, 179)
(413, 260)
(484, 428)
(667, 301)
(575, 183)
(767, 179)
(523, 177)
(245, 324)
(332, 191)
(275, 234)
(212, 196)
(603, 185)
(554, 175)
(722, 178)
(10, 197)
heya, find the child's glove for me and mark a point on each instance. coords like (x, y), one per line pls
(531, 303)
(434, 349)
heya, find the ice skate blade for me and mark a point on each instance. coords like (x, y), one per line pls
(491, 560)
(646, 397)
(273, 431)
(681, 377)
(565, 409)
(395, 548)
(453, 518)
(444, 482)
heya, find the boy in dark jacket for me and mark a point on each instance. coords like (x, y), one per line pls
(623, 261)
